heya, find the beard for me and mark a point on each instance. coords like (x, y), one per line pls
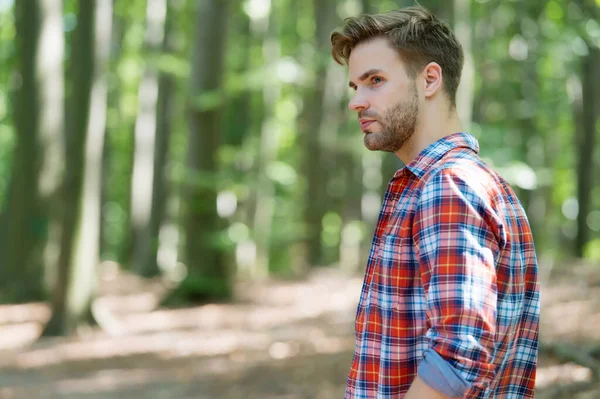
(397, 125)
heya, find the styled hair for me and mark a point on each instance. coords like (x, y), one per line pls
(415, 32)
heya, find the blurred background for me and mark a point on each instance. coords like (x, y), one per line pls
(186, 204)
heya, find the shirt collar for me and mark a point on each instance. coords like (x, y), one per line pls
(436, 150)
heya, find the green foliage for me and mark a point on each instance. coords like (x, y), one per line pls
(6, 151)
(592, 250)
(208, 100)
(7, 59)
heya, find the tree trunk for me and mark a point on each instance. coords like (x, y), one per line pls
(164, 111)
(144, 163)
(315, 170)
(31, 202)
(239, 109)
(586, 145)
(208, 277)
(269, 143)
(111, 150)
(52, 128)
(76, 283)
(251, 119)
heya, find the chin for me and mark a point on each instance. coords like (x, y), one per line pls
(374, 142)
(371, 143)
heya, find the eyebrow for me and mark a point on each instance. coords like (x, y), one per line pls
(370, 72)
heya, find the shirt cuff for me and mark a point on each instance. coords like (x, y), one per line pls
(441, 376)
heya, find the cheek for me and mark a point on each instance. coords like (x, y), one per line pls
(389, 102)
(382, 101)
(393, 94)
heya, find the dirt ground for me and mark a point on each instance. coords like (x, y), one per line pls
(280, 340)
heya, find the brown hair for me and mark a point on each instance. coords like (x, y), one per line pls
(419, 36)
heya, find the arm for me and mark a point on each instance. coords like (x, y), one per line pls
(458, 237)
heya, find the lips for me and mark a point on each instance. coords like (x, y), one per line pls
(366, 123)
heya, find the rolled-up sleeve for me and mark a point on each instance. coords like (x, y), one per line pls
(458, 237)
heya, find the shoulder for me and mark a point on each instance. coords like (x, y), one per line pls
(461, 192)
(462, 174)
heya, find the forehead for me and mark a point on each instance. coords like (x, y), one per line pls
(374, 54)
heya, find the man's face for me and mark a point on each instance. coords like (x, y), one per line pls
(385, 97)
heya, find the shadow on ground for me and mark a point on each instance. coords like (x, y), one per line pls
(281, 340)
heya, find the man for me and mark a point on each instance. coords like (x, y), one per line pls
(450, 301)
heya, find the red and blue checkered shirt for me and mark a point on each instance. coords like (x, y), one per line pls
(452, 269)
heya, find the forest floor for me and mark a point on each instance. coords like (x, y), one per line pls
(280, 340)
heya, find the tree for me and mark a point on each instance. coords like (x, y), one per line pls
(267, 153)
(36, 170)
(79, 253)
(587, 113)
(51, 81)
(151, 139)
(315, 156)
(160, 187)
(208, 276)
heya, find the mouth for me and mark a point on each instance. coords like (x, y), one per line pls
(365, 124)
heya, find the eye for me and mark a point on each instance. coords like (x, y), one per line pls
(376, 80)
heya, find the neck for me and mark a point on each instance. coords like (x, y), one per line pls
(431, 126)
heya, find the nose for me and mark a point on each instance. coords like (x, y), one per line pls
(358, 102)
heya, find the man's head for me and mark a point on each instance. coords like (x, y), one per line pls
(399, 62)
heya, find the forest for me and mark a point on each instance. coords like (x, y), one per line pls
(182, 187)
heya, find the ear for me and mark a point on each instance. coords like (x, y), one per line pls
(432, 74)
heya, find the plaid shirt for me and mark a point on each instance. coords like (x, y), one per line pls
(452, 268)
